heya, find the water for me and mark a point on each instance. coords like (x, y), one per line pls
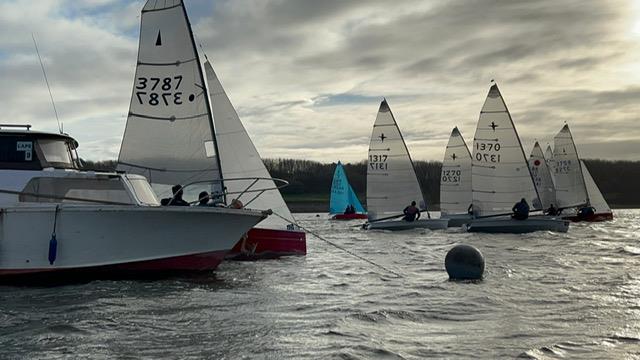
(545, 296)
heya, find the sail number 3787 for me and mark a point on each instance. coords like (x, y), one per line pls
(159, 91)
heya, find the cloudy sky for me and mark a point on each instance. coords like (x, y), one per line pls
(307, 76)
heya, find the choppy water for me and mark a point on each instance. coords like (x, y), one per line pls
(545, 296)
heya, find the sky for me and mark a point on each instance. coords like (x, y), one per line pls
(307, 76)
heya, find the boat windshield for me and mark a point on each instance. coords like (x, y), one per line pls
(55, 151)
(77, 190)
(143, 191)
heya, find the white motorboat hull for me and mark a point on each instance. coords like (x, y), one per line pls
(118, 238)
(512, 226)
(432, 224)
(457, 220)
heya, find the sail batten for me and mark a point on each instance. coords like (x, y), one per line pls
(500, 172)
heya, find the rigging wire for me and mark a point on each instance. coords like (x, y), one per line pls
(47, 82)
(341, 247)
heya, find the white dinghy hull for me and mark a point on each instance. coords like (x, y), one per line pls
(432, 224)
(457, 220)
(512, 226)
(114, 238)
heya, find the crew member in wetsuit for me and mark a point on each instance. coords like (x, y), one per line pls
(203, 199)
(411, 212)
(586, 212)
(350, 210)
(520, 210)
(552, 210)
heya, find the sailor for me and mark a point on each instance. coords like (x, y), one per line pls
(552, 210)
(236, 204)
(203, 199)
(411, 212)
(586, 212)
(176, 199)
(217, 198)
(350, 209)
(520, 210)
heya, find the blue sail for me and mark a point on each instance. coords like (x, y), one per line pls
(342, 193)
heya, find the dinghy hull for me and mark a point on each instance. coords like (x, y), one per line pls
(262, 243)
(591, 218)
(512, 226)
(118, 240)
(457, 220)
(349, 217)
(397, 225)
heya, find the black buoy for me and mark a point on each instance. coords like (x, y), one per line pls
(464, 262)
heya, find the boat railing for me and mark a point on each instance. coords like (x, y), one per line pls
(249, 189)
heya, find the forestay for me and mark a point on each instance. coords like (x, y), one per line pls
(500, 174)
(595, 196)
(570, 187)
(169, 133)
(239, 158)
(392, 183)
(542, 177)
(342, 193)
(455, 180)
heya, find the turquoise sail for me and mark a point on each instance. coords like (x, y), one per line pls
(342, 193)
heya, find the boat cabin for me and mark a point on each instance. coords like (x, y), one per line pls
(24, 149)
(41, 167)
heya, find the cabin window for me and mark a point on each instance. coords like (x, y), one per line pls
(55, 151)
(143, 191)
(76, 190)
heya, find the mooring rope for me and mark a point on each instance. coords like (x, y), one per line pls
(340, 247)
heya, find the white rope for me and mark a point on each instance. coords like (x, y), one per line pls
(340, 247)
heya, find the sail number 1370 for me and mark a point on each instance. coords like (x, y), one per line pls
(159, 91)
(488, 152)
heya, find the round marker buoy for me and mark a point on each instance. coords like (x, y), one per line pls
(464, 262)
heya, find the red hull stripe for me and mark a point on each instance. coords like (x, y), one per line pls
(271, 243)
(592, 218)
(197, 262)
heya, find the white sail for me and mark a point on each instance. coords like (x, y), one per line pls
(595, 196)
(570, 187)
(500, 174)
(455, 180)
(239, 158)
(169, 133)
(542, 177)
(392, 183)
(551, 162)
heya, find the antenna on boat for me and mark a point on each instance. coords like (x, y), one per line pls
(47, 82)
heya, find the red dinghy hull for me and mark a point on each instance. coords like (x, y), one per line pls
(269, 244)
(349, 217)
(591, 218)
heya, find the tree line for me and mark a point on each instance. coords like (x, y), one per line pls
(616, 179)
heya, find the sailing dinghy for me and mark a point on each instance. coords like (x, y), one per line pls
(501, 175)
(169, 136)
(571, 176)
(343, 197)
(392, 183)
(242, 169)
(541, 174)
(455, 181)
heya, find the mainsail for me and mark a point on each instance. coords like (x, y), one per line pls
(570, 187)
(551, 162)
(500, 174)
(392, 183)
(455, 180)
(169, 133)
(240, 159)
(542, 177)
(595, 196)
(342, 193)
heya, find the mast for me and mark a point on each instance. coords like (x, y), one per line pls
(207, 101)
